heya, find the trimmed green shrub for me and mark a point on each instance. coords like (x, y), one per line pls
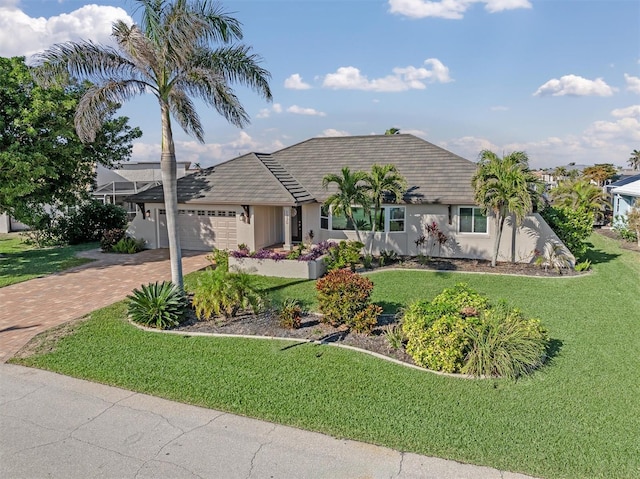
(221, 293)
(343, 298)
(128, 245)
(345, 255)
(110, 238)
(573, 226)
(158, 305)
(290, 314)
(460, 331)
(505, 344)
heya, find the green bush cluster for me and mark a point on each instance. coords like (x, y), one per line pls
(110, 237)
(290, 314)
(158, 305)
(345, 255)
(88, 222)
(573, 226)
(128, 245)
(224, 293)
(344, 299)
(460, 331)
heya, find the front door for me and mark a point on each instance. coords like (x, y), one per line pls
(296, 224)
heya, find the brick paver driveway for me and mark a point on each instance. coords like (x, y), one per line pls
(31, 307)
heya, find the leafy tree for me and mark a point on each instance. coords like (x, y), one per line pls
(351, 192)
(600, 172)
(573, 226)
(383, 181)
(392, 131)
(42, 160)
(171, 55)
(560, 172)
(580, 194)
(503, 187)
(634, 160)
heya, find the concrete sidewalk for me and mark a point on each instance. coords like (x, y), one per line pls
(59, 427)
(33, 306)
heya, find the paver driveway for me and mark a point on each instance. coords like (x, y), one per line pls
(31, 307)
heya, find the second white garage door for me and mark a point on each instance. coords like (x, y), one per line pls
(202, 230)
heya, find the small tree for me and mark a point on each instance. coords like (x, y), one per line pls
(633, 217)
(351, 193)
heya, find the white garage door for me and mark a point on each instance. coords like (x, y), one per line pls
(202, 230)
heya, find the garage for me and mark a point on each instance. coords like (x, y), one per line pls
(201, 230)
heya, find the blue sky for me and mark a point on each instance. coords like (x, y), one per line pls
(559, 79)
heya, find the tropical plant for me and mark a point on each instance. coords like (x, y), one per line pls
(600, 172)
(158, 305)
(560, 173)
(384, 181)
(222, 293)
(170, 54)
(633, 220)
(351, 192)
(392, 131)
(583, 265)
(554, 257)
(634, 160)
(580, 194)
(345, 254)
(290, 314)
(503, 187)
(344, 299)
(505, 344)
(129, 245)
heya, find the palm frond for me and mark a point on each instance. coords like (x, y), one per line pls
(184, 111)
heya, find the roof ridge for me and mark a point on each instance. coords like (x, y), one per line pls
(286, 179)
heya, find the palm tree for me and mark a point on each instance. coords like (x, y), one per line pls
(504, 186)
(351, 193)
(170, 55)
(383, 181)
(580, 194)
(634, 160)
(392, 131)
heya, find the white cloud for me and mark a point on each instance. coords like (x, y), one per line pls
(294, 82)
(630, 111)
(266, 112)
(22, 35)
(499, 108)
(402, 79)
(633, 83)
(451, 9)
(574, 85)
(468, 146)
(332, 132)
(298, 110)
(419, 133)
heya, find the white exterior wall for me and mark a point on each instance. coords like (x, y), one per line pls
(8, 224)
(267, 226)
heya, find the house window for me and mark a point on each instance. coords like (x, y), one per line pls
(162, 212)
(396, 219)
(202, 213)
(389, 218)
(231, 213)
(472, 220)
(324, 217)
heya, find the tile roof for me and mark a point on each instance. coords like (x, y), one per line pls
(294, 174)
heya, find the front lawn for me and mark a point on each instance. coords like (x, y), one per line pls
(578, 417)
(21, 262)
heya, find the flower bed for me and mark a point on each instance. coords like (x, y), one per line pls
(295, 264)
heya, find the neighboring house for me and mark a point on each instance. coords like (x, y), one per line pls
(267, 199)
(9, 224)
(625, 194)
(116, 184)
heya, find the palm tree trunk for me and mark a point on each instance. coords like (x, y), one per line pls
(374, 228)
(496, 247)
(169, 186)
(355, 227)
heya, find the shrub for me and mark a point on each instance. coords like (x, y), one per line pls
(220, 258)
(110, 238)
(290, 314)
(573, 226)
(505, 344)
(387, 257)
(88, 221)
(554, 257)
(364, 321)
(224, 293)
(345, 254)
(128, 245)
(460, 331)
(394, 336)
(583, 265)
(343, 298)
(158, 305)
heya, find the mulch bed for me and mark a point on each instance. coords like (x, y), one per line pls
(609, 233)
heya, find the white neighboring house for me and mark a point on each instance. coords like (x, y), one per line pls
(625, 195)
(116, 184)
(9, 224)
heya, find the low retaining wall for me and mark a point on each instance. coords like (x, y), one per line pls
(285, 268)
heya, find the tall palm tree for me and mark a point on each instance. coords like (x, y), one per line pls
(351, 193)
(504, 187)
(634, 160)
(171, 55)
(580, 194)
(383, 181)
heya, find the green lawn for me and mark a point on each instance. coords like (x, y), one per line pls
(578, 417)
(21, 262)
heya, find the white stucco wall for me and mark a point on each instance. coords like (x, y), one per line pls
(267, 226)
